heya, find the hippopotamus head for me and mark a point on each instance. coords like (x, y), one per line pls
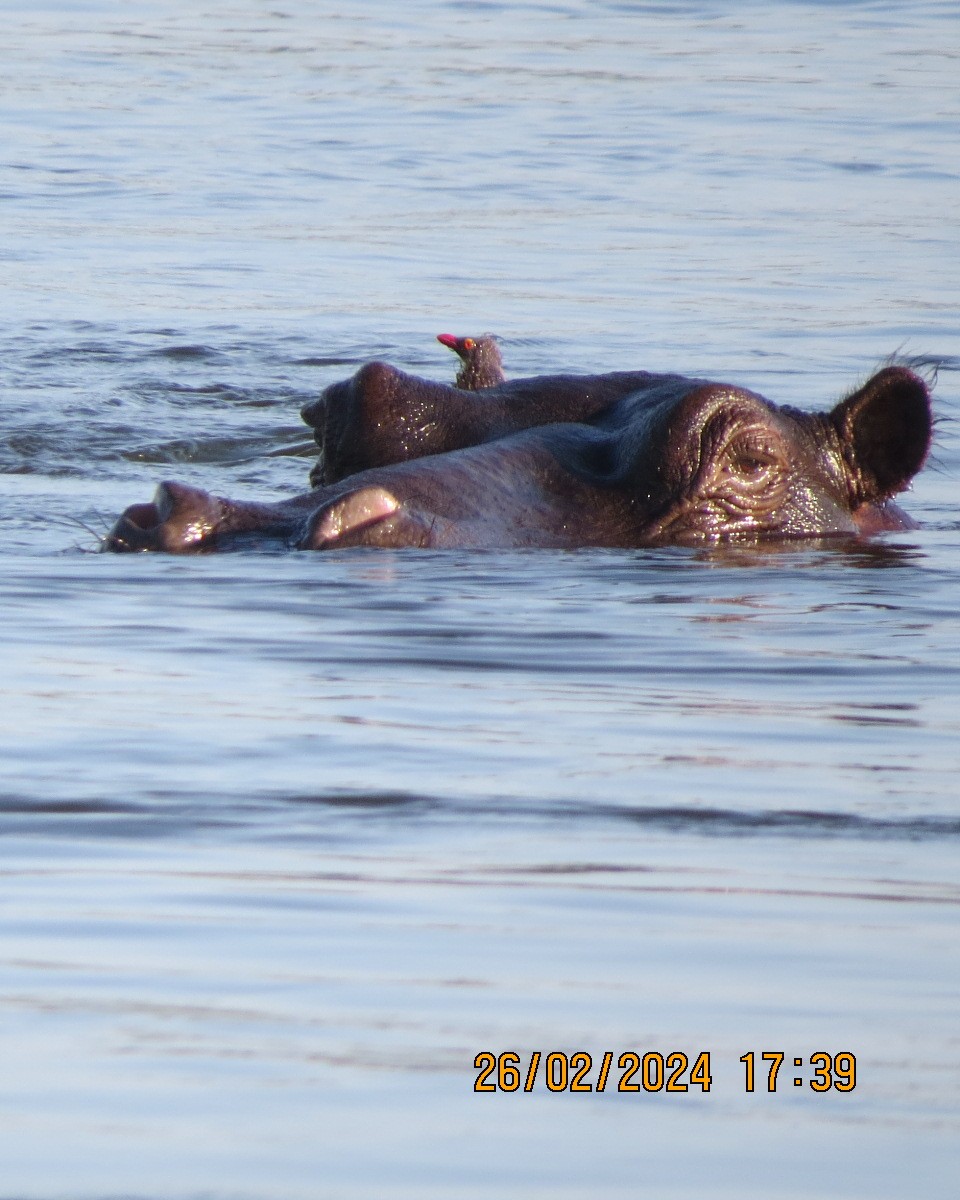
(627, 459)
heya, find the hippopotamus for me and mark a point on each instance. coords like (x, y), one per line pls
(623, 459)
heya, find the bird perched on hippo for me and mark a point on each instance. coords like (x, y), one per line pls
(623, 459)
(481, 363)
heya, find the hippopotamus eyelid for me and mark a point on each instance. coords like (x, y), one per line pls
(752, 454)
(729, 439)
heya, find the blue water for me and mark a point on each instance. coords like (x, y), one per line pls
(289, 838)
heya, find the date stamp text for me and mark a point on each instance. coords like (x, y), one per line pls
(657, 1071)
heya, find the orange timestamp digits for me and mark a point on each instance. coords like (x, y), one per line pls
(830, 1071)
(652, 1071)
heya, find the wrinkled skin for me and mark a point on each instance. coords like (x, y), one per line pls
(626, 459)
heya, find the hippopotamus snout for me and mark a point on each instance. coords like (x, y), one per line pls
(179, 518)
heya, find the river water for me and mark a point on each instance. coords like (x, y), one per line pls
(290, 839)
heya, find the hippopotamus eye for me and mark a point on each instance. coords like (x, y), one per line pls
(752, 464)
(751, 458)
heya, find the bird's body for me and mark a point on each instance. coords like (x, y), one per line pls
(481, 367)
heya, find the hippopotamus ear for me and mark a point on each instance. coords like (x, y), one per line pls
(884, 430)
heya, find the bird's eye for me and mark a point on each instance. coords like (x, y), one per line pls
(468, 343)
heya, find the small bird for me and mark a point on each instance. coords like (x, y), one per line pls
(482, 365)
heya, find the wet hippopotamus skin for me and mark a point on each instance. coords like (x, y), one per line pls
(626, 459)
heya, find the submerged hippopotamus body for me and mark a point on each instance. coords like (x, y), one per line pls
(626, 459)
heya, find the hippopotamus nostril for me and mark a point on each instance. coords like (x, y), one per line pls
(142, 516)
(180, 517)
(137, 528)
(313, 411)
